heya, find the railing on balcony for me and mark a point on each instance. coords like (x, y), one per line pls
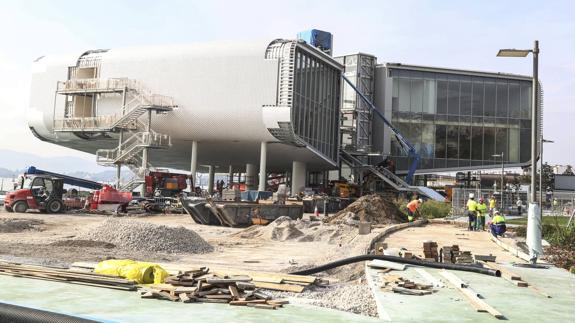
(85, 124)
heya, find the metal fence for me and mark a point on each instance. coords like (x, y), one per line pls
(461, 195)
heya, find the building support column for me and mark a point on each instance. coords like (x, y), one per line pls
(230, 176)
(145, 151)
(250, 177)
(194, 164)
(211, 175)
(298, 176)
(263, 166)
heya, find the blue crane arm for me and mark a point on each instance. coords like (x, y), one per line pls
(70, 180)
(406, 145)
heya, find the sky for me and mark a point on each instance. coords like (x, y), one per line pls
(455, 34)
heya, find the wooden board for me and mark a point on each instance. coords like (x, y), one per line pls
(429, 278)
(266, 276)
(472, 296)
(280, 287)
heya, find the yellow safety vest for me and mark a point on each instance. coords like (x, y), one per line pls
(492, 203)
(498, 219)
(482, 208)
(471, 205)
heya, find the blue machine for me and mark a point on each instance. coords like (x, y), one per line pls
(74, 181)
(405, 144)
(318, 38)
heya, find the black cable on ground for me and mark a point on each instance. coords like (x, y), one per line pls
(416, 262)
(21, 314)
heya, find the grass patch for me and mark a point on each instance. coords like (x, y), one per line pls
(551, 220)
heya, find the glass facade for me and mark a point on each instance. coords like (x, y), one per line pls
(460, 121)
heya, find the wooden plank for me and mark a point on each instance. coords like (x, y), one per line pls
(429, 278)
(234, 291)
(408, 291)
(514, 251)
(538, 291)
(280, 287)
(261, 276)
(505, 273)
(244, 302)
(479, 304)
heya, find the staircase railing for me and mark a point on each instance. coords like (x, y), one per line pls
(383, 173)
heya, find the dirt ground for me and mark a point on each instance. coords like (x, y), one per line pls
(44, 245)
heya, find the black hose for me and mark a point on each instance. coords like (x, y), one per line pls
(351, 260)
(20, 314)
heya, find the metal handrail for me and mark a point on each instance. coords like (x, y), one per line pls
(76, 123)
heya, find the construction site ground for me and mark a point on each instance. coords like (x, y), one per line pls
(250, 249)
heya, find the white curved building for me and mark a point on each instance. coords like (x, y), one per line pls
(273, 105)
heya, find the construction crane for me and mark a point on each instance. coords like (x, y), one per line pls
(405, 144)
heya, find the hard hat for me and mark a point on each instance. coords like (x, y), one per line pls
(481, 200)
(420, 200)
(471, 195)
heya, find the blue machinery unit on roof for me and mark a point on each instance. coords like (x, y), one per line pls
(74, 181)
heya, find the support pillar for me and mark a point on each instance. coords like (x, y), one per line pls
(194, 164)
(251, 176)
(230, 176)
(211, 176)
(263, 167)
(298, 176)
(145, 151)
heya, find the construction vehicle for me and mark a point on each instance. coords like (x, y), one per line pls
(42, 190)
(163, 190)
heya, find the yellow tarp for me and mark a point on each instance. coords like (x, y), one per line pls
(140, 272)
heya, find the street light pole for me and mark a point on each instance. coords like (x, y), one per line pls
(534, 116)
(502, 175)
(534, 219)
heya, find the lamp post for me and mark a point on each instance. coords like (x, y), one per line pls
(541, 142)
(534, 210)
(502, 175)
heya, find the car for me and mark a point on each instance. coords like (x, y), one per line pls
(2, 197)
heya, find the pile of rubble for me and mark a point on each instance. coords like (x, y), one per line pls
(140, 236)
(371, 208)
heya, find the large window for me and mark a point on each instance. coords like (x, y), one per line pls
(456, 120)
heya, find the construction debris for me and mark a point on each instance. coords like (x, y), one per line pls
(16, 225)
(401, 285)
(370, 208)
(136, 235)
(200, 286)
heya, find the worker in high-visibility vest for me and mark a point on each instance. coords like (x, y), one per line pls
(498, 226)
(481, 214)
(492, 205)
(471, 212)
(412, 209)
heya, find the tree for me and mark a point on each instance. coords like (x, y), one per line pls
(569, 170)
(548, 177)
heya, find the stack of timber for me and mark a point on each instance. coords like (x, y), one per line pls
(277, 281)
(449, 253)
(66, 276)
(202, 287)
(464, 258)
(401, 285)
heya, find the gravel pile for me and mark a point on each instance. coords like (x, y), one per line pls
(140, 236)
(19, 225)
(352, 298)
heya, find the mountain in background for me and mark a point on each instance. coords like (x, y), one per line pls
(17, 161)
(13, 163)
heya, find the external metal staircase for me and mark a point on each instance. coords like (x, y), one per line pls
(386, 175)
(135, 137)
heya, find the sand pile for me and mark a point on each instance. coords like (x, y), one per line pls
(374, 208)
(286, 229)
(140, 236)
(18, 225)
